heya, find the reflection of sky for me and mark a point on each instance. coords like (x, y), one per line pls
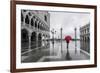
(68, 21)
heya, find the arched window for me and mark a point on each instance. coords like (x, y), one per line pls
(24, 35)
(29, 14)
(34, 17)
(27, 19)
(45, 18)
(24, 10)
(38, 26)
(35, 24)
(24, 40)
(32, 23)
(33, 40)
(39, 40)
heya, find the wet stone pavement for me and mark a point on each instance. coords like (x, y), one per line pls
(56, 53)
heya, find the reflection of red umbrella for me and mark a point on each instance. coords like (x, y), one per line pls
(68, 38)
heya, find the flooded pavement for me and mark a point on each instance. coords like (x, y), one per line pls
(56, 53)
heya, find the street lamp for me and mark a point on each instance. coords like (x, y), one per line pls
(75, 40)
(53, 32)
(61, 38)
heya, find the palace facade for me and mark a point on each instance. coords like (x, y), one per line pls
(35, 28)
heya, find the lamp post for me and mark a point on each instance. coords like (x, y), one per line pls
(75, 40)
(53, 32)
(61, 39)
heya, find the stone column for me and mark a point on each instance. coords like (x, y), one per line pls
(24, 15)
(75, 40)
(61, 40)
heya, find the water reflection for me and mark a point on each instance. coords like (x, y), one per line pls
(66, 52)
(68, 57)
(55, 53)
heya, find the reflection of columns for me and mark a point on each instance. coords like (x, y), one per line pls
(83, 42)
(53, 33)
(29, 41)
(43, 40)
(53, 40)
(37, 40)
(86, 44)
(80, 41)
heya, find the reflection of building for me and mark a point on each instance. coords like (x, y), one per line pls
(85, 38)
(35, 27)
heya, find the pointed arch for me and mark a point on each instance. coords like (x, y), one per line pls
(24, 40)
(27, 19)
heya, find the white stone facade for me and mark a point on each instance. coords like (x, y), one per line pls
(35, 29)
(85, 38)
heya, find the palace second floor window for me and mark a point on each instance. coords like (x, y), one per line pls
(45, 18)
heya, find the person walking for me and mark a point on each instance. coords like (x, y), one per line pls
(68, 39)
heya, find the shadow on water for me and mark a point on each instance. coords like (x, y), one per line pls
(53, 47)
(68, 57)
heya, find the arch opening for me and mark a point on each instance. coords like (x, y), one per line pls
(24, 40)
(27, 19)
(39, 40)
(33, 40)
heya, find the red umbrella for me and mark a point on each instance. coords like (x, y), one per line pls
(68, 38)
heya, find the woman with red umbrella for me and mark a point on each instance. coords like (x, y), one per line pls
(68, 39)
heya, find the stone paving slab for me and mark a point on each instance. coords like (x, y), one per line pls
(55, 54)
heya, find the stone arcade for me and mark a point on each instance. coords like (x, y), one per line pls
(35, 28)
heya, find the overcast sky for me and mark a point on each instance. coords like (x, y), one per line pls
(68, 21)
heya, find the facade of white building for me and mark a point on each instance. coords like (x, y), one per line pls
(85, 38)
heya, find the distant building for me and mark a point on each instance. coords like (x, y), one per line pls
(85, 38)
(35, 28)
